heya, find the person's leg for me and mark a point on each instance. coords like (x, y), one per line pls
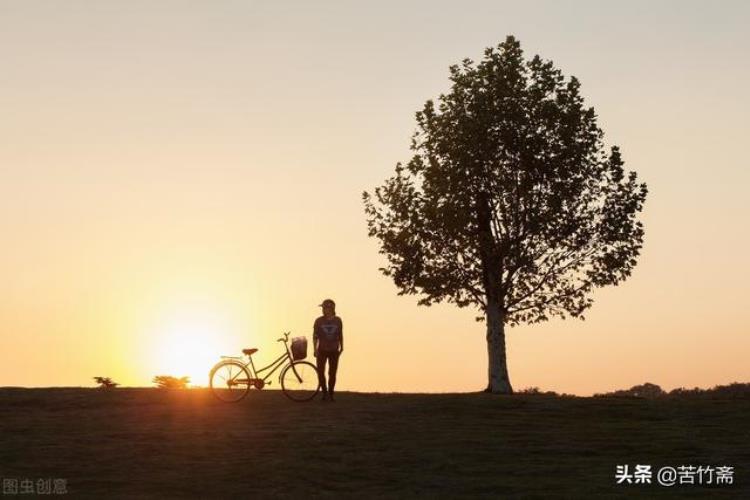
(321, 365)
(333, 366)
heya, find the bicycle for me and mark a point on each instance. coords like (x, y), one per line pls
(230, 379)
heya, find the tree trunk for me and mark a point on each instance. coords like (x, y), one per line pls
(497, 371)
(492, 273)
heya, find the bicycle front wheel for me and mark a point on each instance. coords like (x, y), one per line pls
(229, 381)
(299, 381)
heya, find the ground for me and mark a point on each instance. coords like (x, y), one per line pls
(150, 443)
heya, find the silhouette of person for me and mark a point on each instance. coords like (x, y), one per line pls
(328, 343)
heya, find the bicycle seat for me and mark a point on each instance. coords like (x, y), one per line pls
(249, 351)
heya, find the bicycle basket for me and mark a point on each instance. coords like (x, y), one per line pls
(299, 348)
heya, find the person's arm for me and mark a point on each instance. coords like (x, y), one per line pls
(341, 333)
(315, 338)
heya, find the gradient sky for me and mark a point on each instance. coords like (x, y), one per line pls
(179, 180)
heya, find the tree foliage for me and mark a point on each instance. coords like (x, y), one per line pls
(511, 195)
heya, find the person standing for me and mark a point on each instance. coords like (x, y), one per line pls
(328, 343)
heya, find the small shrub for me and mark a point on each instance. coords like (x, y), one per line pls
(105, 383)
(646, 391)
(682, 392)
(530, 390)
(170, 382)
(535, 391)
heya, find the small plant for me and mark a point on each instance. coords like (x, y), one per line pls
(530, 390)
(170, 382)
(536, 391)
(105, 383)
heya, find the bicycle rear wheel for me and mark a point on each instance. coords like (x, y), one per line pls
(299, 381)
(229, 381)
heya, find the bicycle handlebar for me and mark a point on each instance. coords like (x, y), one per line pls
(284, 338)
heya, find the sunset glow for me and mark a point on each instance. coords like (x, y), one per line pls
(182, 180)
(187, 345)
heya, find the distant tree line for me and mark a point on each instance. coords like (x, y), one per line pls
(735, 390)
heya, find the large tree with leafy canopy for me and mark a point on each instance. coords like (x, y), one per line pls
(511, 202)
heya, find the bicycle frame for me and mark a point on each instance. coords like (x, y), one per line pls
(271, 368)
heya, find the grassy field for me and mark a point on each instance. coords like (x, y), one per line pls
(148, 443)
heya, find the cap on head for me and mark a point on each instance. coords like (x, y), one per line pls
(328, 303)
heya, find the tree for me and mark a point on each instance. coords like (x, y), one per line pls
(105, 382)
(511, 202)
(170, 382)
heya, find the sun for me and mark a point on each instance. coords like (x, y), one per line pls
(189, 346)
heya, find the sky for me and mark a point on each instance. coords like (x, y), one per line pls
(181, 179)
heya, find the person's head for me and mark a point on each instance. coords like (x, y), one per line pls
(329, 308)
